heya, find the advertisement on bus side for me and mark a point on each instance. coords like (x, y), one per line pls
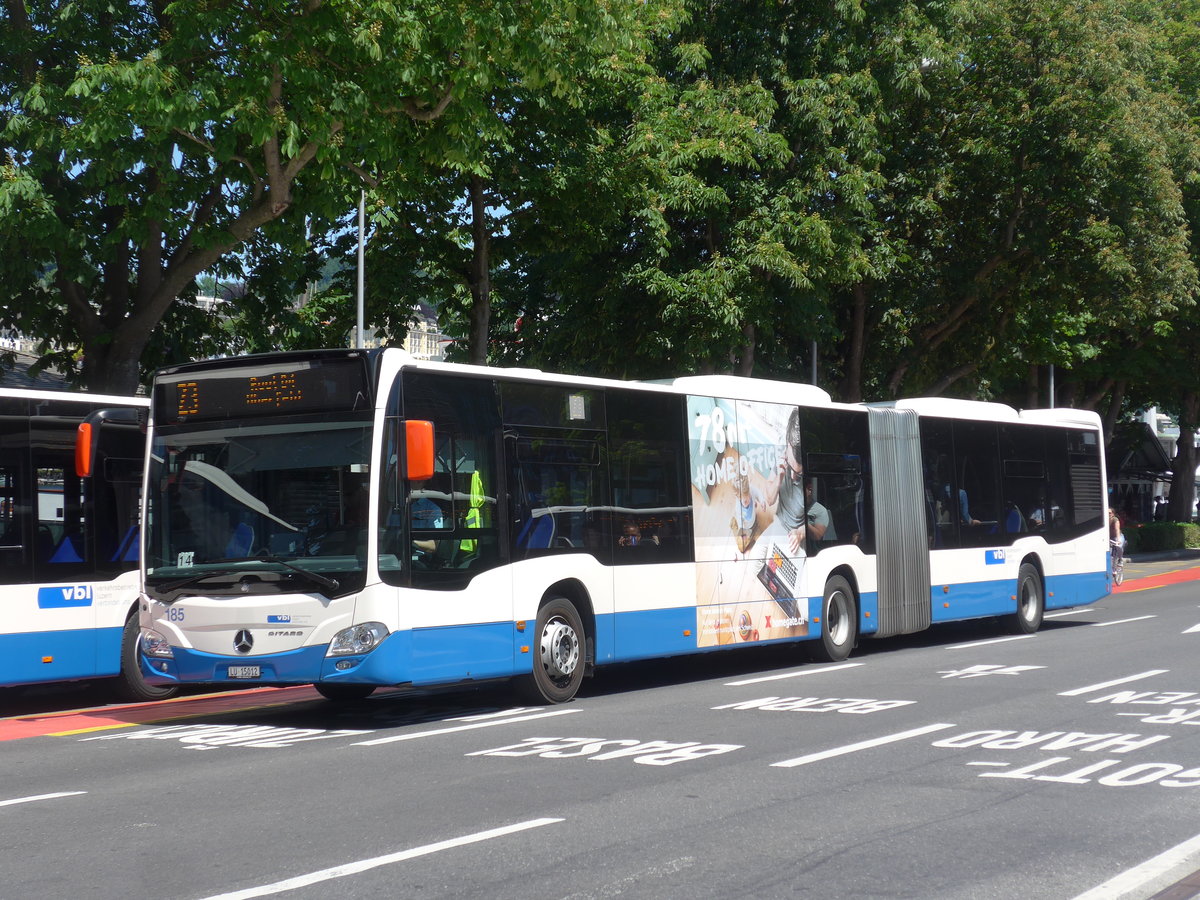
(750, 521)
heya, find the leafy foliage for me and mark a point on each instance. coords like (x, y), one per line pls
(146, 143)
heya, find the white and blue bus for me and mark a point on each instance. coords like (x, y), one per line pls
(70, 479)
(353, 519)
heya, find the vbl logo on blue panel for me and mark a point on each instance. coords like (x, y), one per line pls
(65, 597)
(995, 557)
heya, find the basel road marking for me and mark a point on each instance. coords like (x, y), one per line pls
(363, 865)
(471, 727)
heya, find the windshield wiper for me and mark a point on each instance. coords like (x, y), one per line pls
(330, 584)
(184, 582)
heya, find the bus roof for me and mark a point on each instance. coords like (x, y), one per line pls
(73, 397)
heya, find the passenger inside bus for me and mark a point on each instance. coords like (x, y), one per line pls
(424, 515)
(632, 536)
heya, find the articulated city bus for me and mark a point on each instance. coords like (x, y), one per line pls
(70, 477)
(352, 519)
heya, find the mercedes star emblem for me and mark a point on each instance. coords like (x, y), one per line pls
(243, 641)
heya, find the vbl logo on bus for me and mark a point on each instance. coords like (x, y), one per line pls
(63, 597)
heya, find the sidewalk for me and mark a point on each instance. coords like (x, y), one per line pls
(1163, 555)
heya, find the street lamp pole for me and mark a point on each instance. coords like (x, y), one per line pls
(362, 229)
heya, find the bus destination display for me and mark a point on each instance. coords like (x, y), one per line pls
(310, 386)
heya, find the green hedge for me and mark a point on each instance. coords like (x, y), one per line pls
(1162, 536)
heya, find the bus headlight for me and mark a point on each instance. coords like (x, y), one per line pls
(357, 639)
(156, 646)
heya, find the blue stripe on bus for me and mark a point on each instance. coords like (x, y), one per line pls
(868, 612)
(1076, 590)
(79, 653)
(996, 598)
(301, 666)
(492, 650)
(465, 652)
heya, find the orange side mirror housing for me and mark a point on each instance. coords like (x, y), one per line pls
(418, 437)
(83, 450)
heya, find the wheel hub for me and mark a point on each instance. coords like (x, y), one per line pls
(559, 649)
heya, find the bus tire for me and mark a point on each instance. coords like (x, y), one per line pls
(1031, 601)
(344, 693)
(130, 685)
(558, 662)
(839, 621)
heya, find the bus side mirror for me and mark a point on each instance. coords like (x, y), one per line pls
(419, 450)
(84, 450)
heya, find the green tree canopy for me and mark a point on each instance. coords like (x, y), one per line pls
(145, 142)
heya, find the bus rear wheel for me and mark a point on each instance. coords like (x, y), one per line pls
(839, 621)
(558, 663)
(130, 685)
(1031, 603)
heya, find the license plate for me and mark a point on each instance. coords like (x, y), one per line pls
(245, 671)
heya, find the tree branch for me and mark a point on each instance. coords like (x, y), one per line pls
(418, 110)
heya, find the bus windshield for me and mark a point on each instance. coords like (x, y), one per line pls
(259, 496)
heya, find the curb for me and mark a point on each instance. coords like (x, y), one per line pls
(1160, 555)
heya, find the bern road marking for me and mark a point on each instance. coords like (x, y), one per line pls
(1122, 621)
(1107, 684)
(861, 745)
(471, 727)
(1071, 612)
(41, 797)
(363, 865)
(1017, 637)
(796, 674)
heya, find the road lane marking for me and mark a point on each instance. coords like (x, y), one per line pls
(1122, 621)
(1015, 637)
(796, 674)
(41, 797)
(1071, 612)
(354, 868)
(471, 727)
(1192, 629)
(1131, 879)
(1107, 684)
(861, 745)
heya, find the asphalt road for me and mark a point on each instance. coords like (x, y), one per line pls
(960, 763)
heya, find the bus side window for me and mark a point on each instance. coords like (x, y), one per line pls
(650, 482)
(838, 472)
(937, 450)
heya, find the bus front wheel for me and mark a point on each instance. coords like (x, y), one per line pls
(558, 662)
(1031, 603)
(839, 620)
(129, 685)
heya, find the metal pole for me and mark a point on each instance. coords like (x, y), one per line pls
(814, 362)
(1052, 385)
(362, 229)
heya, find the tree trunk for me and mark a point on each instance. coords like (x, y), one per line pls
(1113, 411)
(107, 371)
(1183, 466)
(1033, 386)
(745, 360)
(480, 279)
(851, 390)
